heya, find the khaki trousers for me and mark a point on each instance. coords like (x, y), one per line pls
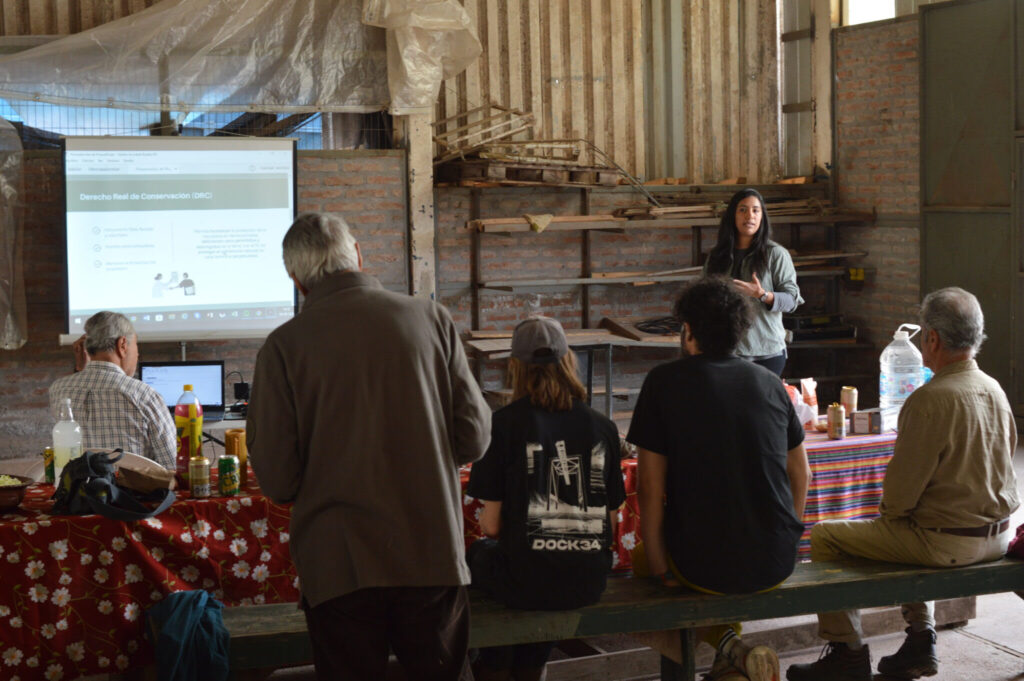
(896, 540)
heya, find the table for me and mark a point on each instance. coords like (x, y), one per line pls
(847, 479)
(76, 587)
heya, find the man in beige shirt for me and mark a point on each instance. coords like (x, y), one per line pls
(947, 497)
(363, 408)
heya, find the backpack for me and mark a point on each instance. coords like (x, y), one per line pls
(87, 486)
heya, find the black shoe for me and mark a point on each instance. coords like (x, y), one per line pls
(915, 658)
(837, 663)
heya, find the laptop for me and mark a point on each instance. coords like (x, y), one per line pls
(206, 378)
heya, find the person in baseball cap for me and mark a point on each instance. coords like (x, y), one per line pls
(551, 485)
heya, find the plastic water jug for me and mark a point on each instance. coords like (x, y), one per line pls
(188, 421)
(67, 438)
(902, 372)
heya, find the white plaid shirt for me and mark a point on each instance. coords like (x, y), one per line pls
(116, 410)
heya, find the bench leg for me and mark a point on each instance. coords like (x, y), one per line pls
(670, 670)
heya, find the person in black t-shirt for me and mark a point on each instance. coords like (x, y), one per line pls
(722, 469)
(552, 485)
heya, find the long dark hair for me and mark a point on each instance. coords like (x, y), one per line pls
(720, 257)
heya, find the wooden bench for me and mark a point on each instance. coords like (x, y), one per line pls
(268, 636)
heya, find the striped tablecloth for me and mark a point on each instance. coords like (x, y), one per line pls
(847, 482)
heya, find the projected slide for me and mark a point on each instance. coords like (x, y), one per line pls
(183, 235)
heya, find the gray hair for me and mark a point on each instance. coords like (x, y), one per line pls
(317, 245)
(956, 316)
(103, 329)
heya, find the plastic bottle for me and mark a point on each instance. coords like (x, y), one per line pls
(902, 372)
(67, 438)
(188, 420)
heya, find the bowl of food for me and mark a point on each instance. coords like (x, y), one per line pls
(12, 490)
(821, 423)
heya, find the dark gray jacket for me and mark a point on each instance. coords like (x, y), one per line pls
(363, 408)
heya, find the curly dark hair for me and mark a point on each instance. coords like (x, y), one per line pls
(718, 314)
(720, 257)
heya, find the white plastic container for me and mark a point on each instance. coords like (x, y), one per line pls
(902, 372)
(67, 438)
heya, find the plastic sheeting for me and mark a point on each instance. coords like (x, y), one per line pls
(275, 56)
(12, 290)
(427, 42)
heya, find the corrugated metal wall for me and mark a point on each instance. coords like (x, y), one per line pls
(714, 89)
(61, 17)
(580, 66)
(577, 65)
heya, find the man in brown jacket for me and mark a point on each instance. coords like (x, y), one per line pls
(363, 408)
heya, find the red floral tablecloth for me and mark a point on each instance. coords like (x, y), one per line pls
(75, 588)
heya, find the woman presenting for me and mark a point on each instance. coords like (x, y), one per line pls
(760, 268)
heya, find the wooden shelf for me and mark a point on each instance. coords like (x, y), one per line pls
(608, 222)
(513, 284)
(830, 345)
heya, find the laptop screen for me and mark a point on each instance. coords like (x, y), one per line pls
(169, 379)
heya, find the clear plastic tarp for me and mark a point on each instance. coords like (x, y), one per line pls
(12, 289)
(428, 41)
(275, 56)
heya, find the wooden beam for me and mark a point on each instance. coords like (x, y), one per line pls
(420, 179)
(823, 13)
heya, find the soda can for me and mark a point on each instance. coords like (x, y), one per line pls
(227, 469)
(836, 421)
(51, 476)
(199, 477)
(848, 398)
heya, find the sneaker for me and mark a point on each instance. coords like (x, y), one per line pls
(915, 658)
(723, 670)
(836, 663)
(759, 663)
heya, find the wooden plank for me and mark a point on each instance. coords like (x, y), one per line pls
(637, 161)
(521, 221)
(474, 94)
(512, 284)
(617, 132)
(599, 70)
(730, 38)
(497, 55)
(821, 81)
(559, 74)
(537, 99)
(576, 72)
(716, 94)
(698, 84)
(660, 90)
(514, 53)
(275, 635)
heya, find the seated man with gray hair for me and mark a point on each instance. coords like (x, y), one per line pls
(113, 408)
(948, 493)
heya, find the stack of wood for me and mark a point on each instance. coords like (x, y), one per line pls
(485, 124)
(480, 153)
(816, 207)
(706, 210)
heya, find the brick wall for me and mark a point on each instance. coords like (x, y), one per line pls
(367, 188)
(558, 255)
(877, 168)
